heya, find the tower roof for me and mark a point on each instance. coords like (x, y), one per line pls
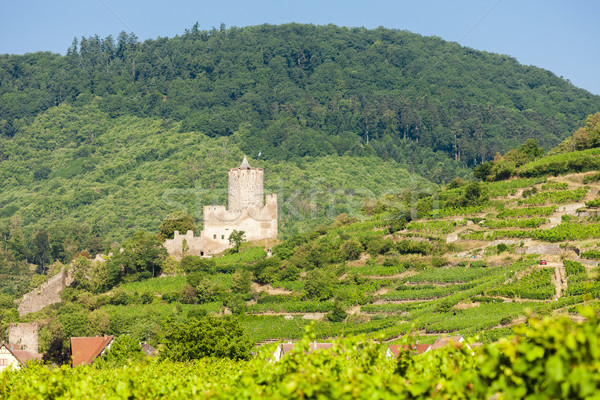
(245, 163)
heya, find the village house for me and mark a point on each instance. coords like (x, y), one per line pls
(86, 349)
(285, 348)
(13, 357)
(393, 350)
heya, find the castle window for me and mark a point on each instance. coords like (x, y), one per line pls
(222, 236)
(201, 253)
(214, 236)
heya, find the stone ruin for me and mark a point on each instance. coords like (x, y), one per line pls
(249, 211)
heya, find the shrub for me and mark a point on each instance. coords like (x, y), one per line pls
(318, 284)
(351, 250)
(123, 349)
(207, 337)
(338, 314)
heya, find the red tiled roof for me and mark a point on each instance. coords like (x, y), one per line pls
(416, 348)
(149, 349)
(85, 349)
(444, 341)
(22, 356)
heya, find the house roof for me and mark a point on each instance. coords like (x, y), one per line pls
(85, 349)
(287, 347)
(445, 341)
(245, 163)
(22, 356)
(416, 348)
(149, 349)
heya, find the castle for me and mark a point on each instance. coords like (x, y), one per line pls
(249, 211)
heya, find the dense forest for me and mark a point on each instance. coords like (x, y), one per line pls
(116, 134)
(302, 90)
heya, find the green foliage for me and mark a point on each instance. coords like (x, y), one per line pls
(595, 177)
(526, 212)
(556, 197)
(351, 250)
(515, 223)
(177, 221)
(318, 284)
(536, 285)
(242, 280)
(236, 238)
(141, 258)
(122, 350)
(575, 161)
(593, 254)
(545, 358)
(338, 314)
(207, 337)
(593, 203)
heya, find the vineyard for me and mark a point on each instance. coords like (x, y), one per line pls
(474, 268)
(549, 358)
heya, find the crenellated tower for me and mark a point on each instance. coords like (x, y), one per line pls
(245, 187)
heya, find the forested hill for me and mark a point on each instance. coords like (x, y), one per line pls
(302, 90)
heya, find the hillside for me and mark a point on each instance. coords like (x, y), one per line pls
(307, 91)
(117, 134)
(467, 259)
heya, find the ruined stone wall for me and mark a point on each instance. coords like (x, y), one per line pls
(48, 293)
(24, 336)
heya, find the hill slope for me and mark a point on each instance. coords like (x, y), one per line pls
(301, 90)
(471, 264)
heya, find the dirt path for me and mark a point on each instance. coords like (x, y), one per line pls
(269, 289)
(559, 279)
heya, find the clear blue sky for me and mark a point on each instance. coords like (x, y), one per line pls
(562, 36)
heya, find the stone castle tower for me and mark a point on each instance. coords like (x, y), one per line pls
(246, 188)
(249, 211)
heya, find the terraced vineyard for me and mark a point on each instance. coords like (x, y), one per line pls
(468, 267)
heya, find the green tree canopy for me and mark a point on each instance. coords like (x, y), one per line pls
(210, 336)
(178, 221)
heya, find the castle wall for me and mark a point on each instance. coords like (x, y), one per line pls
(24, 336)
(48, 293)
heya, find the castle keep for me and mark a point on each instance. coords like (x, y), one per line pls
(249, 211)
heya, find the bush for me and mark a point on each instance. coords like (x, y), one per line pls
(351, 250)
(123, 349)
(210, 336)
(196, 263)
(318, 284)
(338, 314)
(479, 264)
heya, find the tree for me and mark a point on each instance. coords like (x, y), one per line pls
(318, 284)
(142, 253)
(178, 221)
(123, 349)
(338, 314)
(57, 353)
(236, 238)
(242, 281)
(211, 336)
(41, 248)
